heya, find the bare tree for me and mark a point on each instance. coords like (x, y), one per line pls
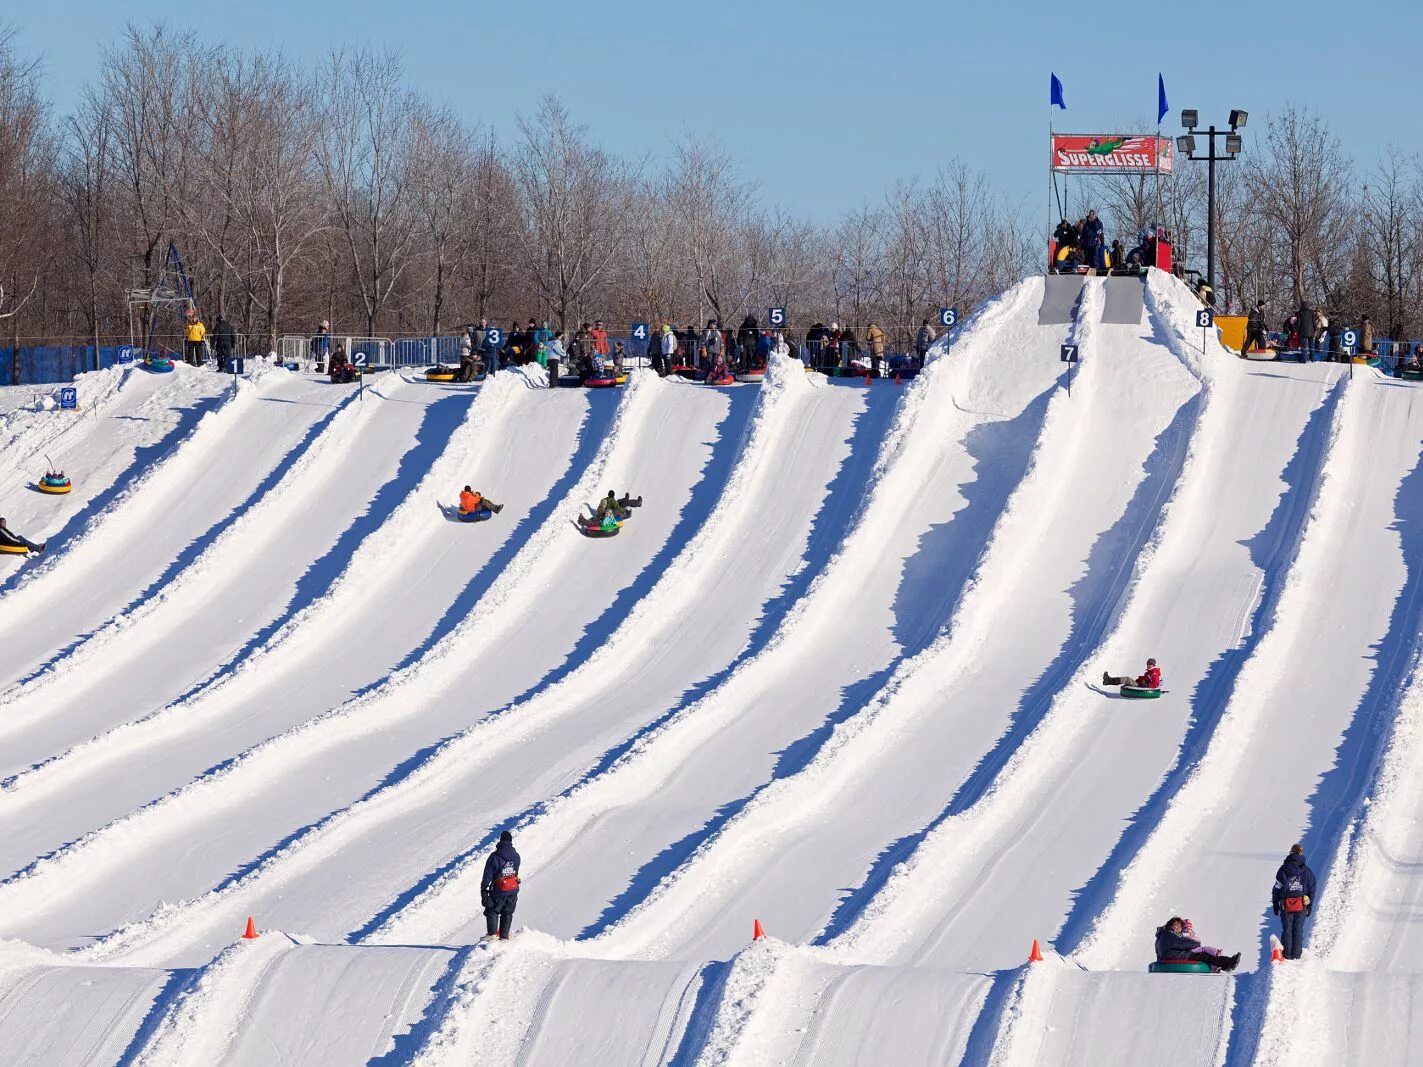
(576, 201)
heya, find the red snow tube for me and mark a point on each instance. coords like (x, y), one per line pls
(600, 383)
(728, 380)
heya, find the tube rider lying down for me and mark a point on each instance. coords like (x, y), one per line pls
(11, 540)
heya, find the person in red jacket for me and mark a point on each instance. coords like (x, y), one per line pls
(600, 338)
(470, 501)
(1150, 680)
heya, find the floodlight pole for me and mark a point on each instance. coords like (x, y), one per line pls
(1210, 160)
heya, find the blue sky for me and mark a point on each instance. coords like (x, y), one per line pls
(826, 105)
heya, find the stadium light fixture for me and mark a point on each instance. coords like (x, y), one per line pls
(1190, 119)
(1233, 143)
(1238, 118)
(1185, 144)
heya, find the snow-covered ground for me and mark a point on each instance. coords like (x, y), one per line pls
(840, 673)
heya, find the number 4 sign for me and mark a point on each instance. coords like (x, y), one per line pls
(639, 331)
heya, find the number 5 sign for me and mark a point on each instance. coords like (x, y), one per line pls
(776, 317)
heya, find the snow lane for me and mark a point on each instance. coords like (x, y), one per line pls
(117, 771)
(230, 790)
(904, 753)
(1091, 752)
(164, 516)
(336, 477)
(1281, 734)
(673, 639)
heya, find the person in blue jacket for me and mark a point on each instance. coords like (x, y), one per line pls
(1293, 900)
(499, 888)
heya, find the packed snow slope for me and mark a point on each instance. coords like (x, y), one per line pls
(840, 673)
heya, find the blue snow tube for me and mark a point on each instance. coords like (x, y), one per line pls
(478, 515)
(159, 366)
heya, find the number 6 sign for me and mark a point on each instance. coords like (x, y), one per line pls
(948, 317)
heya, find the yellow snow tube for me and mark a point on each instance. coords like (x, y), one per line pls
(46, 486)
(14, 550)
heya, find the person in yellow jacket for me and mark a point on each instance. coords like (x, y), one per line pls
(875, 338)
(193, 343)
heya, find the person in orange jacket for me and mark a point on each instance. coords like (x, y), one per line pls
(471, 501)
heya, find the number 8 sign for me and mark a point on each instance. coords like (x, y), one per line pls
(1205, 318)
(777, 317)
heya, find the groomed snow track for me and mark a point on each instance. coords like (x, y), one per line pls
(839, 674)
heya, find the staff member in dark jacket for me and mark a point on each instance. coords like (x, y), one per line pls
(224, 339)
(499, 888)
(1308, 329)
(1255, 328)
(1091, 240)
(1293, 900)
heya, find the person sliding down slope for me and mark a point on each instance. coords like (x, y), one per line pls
(470, 502)
(611, 506)
(1176, 943)
(1150, 680)
(499, 888)
(10, 539)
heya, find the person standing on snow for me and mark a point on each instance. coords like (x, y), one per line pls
(1254, 328)
(499, 888)
(923, 340)
(874, 337)
(1308, 328)
(1292, 899)
(1092, 236)
(224, 340)
(1150, 680)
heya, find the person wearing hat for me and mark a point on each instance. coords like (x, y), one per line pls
(499, 888)
(1150, 680)
(1091, 239)
(320, 344)
(470, 502)
(1292, 899)
(1254, 328)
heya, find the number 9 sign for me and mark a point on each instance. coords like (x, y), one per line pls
(1350, 340)
(776, 317)
(948, 317)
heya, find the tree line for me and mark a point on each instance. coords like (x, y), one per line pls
(299, 192)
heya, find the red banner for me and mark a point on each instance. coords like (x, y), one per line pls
(1076, 153)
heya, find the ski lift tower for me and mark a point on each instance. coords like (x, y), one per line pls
(173, 288)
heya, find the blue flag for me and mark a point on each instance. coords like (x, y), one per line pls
(1056, 89)
(1161, 106)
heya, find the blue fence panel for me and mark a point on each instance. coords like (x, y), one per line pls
(51, 364)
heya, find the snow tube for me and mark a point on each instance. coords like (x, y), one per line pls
(601, 383)
(1366, 361)
(569, 381)
(751, 375)
(593, 529)
(159, 366)
(14, 550)
(1134, 692)
(728, 380)
(1260, 353)
(54, 483)
(478, 515)
(690, 373)
(1178, 967)
(1412, 375)
(440, 373)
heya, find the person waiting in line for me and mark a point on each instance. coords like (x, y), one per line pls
(193, 338)
(1255, 328)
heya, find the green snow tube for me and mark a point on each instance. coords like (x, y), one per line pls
(1133, 692)
(1179, 967)
(1413, 376)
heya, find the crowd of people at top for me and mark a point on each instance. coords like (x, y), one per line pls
(1082, 245)
(1307, 332)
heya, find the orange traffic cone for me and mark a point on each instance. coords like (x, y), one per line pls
(896, 378)
(251, 932)
(1035, 956)
(1276, 956)
(756, 932)
(867, 379)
